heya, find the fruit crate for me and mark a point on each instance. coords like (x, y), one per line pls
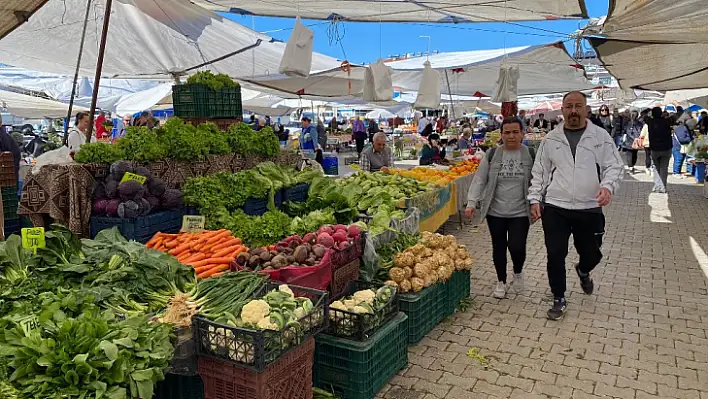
(348, 255)
(222, 123)
(143, 228)
(179, 387)
(360, 326)
(256, 349)
(297, 193)
(10, 202)
(342, 276)
(425, 310)
(358, 370)
(199, 101)
(457, 288)
(8, 174)
(288, 378)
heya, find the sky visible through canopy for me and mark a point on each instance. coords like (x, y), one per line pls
(366, 42)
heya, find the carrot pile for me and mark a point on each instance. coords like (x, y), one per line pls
(210, 252)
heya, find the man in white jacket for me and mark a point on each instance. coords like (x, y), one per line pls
(576, 172)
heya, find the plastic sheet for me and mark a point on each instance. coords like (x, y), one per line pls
(371, 262)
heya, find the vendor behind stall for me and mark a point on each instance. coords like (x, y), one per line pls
(378, 157)
(308, 136)
(432, 152)
(77, 134)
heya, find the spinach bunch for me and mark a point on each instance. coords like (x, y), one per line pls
(140, 144)
(102, 153)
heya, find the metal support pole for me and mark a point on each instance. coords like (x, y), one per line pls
(76, 73)
(99, 67)
(449, 93)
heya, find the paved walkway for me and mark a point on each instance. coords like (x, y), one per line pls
(643, 334)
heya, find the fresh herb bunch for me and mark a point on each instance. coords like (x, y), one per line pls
(246, 141)
(183, 141)
(215, 138)
(215, 82)
(254, 231)
(140, 144)
(103, 153)
(227, 190)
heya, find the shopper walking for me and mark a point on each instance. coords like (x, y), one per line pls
(660, 145)
(499, 191)
(605, 119)
(618, 122)
(630, 148)
(576, 172)
(359, 134)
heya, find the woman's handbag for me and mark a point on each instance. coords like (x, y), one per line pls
(638, 143)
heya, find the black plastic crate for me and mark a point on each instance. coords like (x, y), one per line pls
(297, 193)
(259, 206)
(12, 226)
(179, 387)
(199, 101)
(255, 349)
(360, 326)
(143, 228)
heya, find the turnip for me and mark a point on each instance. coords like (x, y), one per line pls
(338, 227)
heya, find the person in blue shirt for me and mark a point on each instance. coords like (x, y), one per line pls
(308, 136)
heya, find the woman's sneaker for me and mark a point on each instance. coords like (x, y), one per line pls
(518, 283)
(500, 290)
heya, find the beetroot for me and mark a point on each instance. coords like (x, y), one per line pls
(325, 239)
(343, 245)
(339, 227)
(99, 207)
(354, 231)
(325, 229)
(310, 238)
(340, 236)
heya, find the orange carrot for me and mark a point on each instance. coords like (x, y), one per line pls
(218, 237)
(225, 244)
(197, 256)
(204, 268)
(184, 256)
(180, 249)
(172, 244)
(222, 259)
(213, 271)
(238, 250)
(153, 240)
(225, 251)
(201, 263)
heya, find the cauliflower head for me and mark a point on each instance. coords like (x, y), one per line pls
(360, 309)
(254, 311)
(266, 324)
(286, 289)
(338, 305)
(365, 296)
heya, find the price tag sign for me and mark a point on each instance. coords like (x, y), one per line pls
(193, 223)
(132, 176)
(33, 238)
(29, 324)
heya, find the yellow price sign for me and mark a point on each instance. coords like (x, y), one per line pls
(33, 238)
(132, 176)
(193, 223)
(29, 324)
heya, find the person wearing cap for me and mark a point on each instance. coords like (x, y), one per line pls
(308, 135)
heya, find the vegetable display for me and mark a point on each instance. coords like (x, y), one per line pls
(210, 253)
(248, 142)
(434, 258)
(215, 82)
(363, 310)
(436, 176)
(221, 299)
(98, 152)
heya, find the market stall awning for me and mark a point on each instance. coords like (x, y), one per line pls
(437, 11)
(543, 69)
(147, 39)
(652, 45)
(14, 13)
(34, 107)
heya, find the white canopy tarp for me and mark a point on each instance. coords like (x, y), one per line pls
(654, 44)
(380, 114)
(31, 107)
(438, 11)
(543, 69)
(147, 39)
(685, 96)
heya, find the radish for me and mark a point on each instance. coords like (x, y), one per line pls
(325, 239)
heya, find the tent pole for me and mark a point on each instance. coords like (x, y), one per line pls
(449, 93)
(76, 73)
(99, 67)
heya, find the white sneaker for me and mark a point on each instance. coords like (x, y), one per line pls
(499, 291)
(518, 283)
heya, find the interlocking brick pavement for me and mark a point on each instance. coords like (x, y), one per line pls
(643, 334)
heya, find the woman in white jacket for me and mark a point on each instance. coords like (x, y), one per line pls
(77, 134)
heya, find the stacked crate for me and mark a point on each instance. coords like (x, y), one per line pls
(10, 196)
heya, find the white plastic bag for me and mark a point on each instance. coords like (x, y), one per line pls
(429, 90)
(378, 84)
(506, 88)
(60, 156)
(297, 57)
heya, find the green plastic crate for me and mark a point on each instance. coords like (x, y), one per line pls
(425, 310)
(457, 288)
(10, 202)
(199, 101)
(180, 387)
(357, 370)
